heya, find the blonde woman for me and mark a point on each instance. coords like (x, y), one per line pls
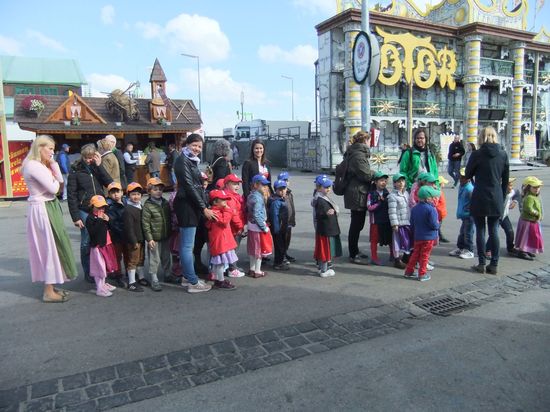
(488, 167)
(50, 254)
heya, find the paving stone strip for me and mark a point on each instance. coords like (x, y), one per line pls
(128, 382)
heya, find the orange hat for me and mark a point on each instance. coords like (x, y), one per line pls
(98, 201)
(154, 181)
(114, 185)
(220, 183)
(218, 194)
(232, 178)
(133, 187)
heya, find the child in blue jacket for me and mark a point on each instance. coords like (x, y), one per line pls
(278, 217)
(465, 241)
(425, 227)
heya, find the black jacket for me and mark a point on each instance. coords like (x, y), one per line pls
(251, 169)
(189, 202)
(454, 148)
(359, 177)
(133, 233)
(97, 228)
(220, 169)
(291, 208)
(327, 225)
(490, 170)
(115, 211)
(84, 181)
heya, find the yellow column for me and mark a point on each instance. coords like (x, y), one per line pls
(352, 120)
(471, 85)
(518, 54)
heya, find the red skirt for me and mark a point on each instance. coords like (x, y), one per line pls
(266, 243)
(322, 248)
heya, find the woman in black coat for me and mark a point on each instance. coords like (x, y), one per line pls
(189, 204)
(489, 168)
(254, 165)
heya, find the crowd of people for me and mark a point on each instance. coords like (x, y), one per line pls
(118, 229)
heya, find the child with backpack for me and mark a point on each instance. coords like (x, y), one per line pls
(465, 241)
(380, 228)
(327, 230)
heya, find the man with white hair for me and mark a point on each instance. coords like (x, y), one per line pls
(108, 158)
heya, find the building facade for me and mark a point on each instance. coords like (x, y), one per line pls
(459, 66)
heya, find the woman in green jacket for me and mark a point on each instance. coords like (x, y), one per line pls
(418, 159)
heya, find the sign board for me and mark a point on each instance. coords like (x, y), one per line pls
(361, 57)
(445, 140)
(374, 59)
(529, 145)
(17, 152)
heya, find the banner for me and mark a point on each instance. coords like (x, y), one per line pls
(529, 146)
(18, 152)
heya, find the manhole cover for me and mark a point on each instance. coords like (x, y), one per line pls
(442, 305)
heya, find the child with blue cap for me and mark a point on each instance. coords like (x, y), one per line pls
(289, 197)
(327, 230)
(259, 243)
(278, 217)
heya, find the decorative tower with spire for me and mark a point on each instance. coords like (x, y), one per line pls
(160, 104)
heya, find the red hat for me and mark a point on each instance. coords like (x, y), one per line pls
(218, 194)
(232, 178)
(220, 183)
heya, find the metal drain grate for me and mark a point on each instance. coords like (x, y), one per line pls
(442, 305)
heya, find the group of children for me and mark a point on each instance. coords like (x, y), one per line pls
(122, 228)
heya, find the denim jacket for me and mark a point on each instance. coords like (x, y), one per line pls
(256, 212)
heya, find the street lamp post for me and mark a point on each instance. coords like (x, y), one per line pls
(198, 75)
(291, 90)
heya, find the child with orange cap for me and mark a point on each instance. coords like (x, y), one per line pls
(134, 252)
(103, 258)
(116, 226)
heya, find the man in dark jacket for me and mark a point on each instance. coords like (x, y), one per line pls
(359, 176)
(490, 170)
(64, 166)
(87, 178)
(456, 151)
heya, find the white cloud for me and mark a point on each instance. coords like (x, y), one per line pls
(192, 34)
(46, 41)
(101, 84)
(108, 14)
(9, 46)
(302, 55)
(218, 86)
(326, 7)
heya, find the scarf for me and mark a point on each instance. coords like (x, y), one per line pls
(426, 152)
(190, 155)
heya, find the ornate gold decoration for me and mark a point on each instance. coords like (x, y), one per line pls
(429, 62)
(545, 78)
(379, 159)
(385, 107)
(432, 109)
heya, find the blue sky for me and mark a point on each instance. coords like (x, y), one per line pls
(243, 46)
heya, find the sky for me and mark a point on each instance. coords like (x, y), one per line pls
(243, 47)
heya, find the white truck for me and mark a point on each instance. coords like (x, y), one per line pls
(272, 130)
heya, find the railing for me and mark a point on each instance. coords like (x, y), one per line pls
(421, 109)
(496, 67)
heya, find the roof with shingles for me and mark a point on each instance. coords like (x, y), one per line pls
(33, 70)
(188, 120)
(157, 74)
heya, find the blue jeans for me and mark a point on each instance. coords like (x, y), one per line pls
(493, 241)
(187, 241)
(453, 169)
(466, 235)
(84, 245)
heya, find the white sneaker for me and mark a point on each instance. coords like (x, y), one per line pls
(236, 273)
(200, 286)
(429, 267)
(184, 283)
(455, 252)
(327, 274)
(466, 254)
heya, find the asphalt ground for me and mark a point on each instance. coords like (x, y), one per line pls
(43, 341)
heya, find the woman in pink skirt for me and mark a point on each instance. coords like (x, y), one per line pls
(528, 235)
(50, 254)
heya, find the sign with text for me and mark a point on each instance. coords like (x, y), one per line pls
(529, 145)
(361, 57)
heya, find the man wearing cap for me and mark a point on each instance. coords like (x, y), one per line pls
(64, 166)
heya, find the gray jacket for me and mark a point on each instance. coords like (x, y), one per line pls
(398, 208)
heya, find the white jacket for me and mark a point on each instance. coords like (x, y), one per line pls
(398, 208)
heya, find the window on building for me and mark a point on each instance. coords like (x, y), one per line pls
(49, 91)
(24, 90)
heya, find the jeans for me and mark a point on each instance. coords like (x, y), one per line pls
(506, 225)
(84, 244)
(64, 196)
(356, 225)
(466, 234)
(493, 241)
(173, 179)
(187, 241)
(453, 168)
(279, 246)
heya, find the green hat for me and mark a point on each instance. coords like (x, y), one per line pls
(398, 176)
(426, 192)
(380, 175)
(428, 177)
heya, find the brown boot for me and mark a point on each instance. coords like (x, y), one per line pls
(398, 263)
